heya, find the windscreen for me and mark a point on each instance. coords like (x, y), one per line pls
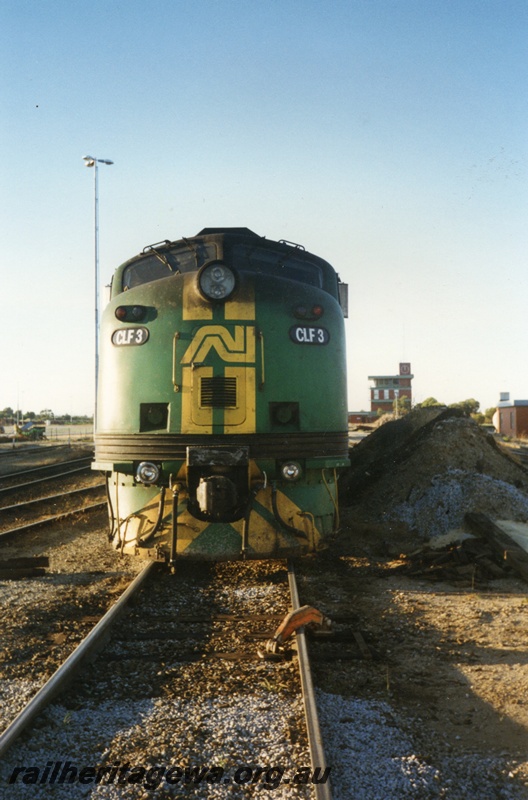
(155, 264)
(293, 266)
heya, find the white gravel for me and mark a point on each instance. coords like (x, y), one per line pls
(13, 697)
(372, 752)
(255, 726)
(25, 596)
(441, 507)
(376, 757)
(228, 733)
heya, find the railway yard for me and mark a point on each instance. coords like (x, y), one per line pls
(421, 686)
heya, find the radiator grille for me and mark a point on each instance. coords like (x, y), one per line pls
(218, 392)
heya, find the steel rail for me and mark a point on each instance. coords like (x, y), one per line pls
(16, 487)
(323, 791)
(22, 448)
(56, 518)
(66, 671)
(45, 467)
(26, 503)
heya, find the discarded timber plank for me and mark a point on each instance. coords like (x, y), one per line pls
(28, 572)
(490, 566)
(465, 569)
(23, 567)
(24, 562)
(502, 544)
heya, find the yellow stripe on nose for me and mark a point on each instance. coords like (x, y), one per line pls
(244, 305)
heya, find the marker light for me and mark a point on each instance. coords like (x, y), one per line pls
(216, 281)
(130, 313)
(147, 473)
(291, 471)
(305, 312)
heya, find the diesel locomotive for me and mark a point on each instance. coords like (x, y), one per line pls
(221, 414)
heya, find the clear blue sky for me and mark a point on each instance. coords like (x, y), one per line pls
(388, 136)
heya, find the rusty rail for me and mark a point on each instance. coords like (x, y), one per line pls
(323, 791)
(89, 645)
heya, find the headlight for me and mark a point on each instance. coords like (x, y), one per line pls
(147, 473)
(291, 471)
(216, 281)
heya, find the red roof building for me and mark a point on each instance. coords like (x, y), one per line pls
(389, 387)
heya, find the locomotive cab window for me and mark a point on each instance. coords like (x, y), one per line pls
(162, 263)
(277, 263)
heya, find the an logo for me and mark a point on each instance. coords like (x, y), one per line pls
(236, 348)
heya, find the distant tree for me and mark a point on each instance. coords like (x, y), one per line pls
(7, 412)
(430, 401)
(30, 415)
(480, 419)
(489, 412)
(401, 406)
(470, 406)
(47, 413)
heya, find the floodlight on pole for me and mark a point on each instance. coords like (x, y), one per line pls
(91, 161)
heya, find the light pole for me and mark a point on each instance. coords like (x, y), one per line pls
(90, 161)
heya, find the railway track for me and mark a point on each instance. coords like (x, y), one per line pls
(21, 450)
(517, 453)
(522, 455)
(26, 502)
(42, 511)
(56, 684)
(186, 697)
(10, 483)
(188, 649)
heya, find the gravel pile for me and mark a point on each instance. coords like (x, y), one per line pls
(442, 506)
(422, 473)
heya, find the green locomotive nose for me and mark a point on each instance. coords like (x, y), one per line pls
(222, 418)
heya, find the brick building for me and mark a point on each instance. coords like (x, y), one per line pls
(361, 417)
(511, 417)
(387, 388)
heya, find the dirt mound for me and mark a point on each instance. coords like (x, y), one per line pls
(422, 473)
